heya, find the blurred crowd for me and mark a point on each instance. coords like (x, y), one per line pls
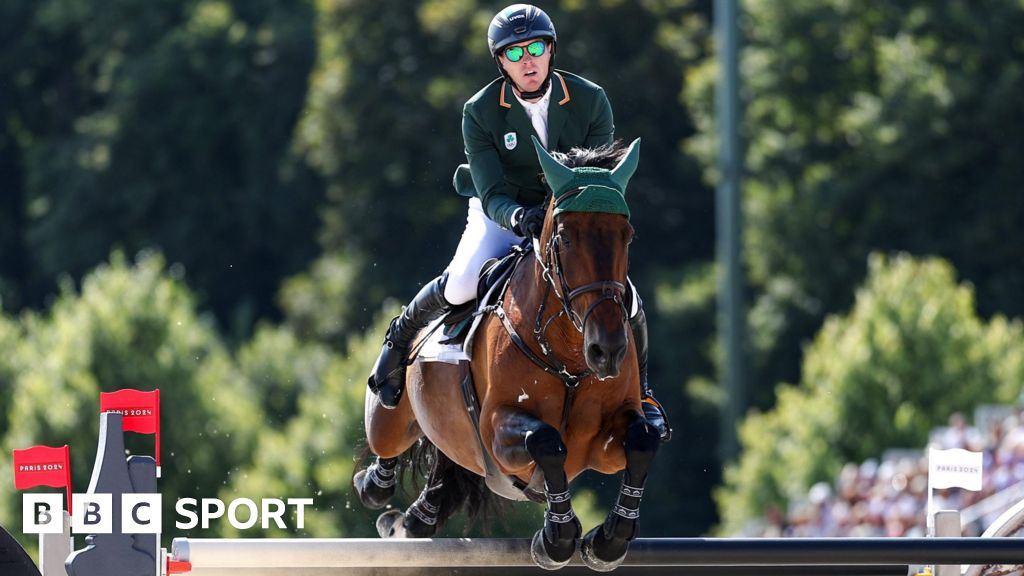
(888, 497)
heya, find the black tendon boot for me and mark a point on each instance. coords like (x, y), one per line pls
(653, 410)
(387, 379)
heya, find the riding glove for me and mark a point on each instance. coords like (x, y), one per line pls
(528, 221)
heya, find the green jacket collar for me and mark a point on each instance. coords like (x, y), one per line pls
(557, 114)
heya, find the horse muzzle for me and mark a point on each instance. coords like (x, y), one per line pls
(604, 350)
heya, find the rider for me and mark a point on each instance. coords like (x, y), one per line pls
(502, 180)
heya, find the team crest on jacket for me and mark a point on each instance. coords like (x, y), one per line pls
(510, 140)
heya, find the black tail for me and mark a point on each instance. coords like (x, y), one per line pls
(460, 488)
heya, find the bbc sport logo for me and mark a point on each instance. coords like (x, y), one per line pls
(122, 500)
(141, 513)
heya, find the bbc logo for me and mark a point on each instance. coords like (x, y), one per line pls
(91, 513)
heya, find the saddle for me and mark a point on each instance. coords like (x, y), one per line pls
(494, 276)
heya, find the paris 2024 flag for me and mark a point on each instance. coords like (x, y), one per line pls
(955, 468)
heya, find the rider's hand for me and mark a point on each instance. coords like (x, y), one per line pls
(528, 221)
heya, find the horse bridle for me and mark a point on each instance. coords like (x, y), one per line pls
(552, 269)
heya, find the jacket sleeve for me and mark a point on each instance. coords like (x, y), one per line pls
(487, 171)
(602, 124)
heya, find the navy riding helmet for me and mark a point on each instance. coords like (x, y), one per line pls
(517, 23)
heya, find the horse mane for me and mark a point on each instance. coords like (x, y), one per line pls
(606, 156)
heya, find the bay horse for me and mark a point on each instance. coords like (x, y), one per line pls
(552, 388)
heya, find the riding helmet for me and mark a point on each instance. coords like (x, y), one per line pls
(516, 23)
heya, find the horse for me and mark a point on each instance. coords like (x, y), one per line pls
(552, 388)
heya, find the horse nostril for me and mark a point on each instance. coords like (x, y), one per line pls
(596, 354)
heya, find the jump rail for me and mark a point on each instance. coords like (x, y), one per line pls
(296, 557)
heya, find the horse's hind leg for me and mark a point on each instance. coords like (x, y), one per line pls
(519, 438)
(389, 433)
(422, 518)
(376, 484)
(605, 546)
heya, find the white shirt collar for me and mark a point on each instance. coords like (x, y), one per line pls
(541, 104)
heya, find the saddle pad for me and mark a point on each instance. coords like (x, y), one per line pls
(434, 350)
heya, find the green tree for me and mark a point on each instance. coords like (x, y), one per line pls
(130, 326)
(10, 333)
(312, 454)
(910, 352)
(139, 124)
(280, 370)
(318, 304)
(872, 126)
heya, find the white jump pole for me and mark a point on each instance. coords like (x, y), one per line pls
(349, 552)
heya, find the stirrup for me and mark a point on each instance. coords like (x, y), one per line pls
(656, 416)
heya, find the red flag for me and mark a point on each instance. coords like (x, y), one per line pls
(140, 412)
(43, 466)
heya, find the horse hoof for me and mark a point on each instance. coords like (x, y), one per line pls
(540, 554)
(590, 557)
(372, 496)
(390, 525)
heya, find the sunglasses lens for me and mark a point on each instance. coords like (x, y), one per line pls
(536, 48)
(514, 53)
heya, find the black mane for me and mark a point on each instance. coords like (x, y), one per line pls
(606, 156)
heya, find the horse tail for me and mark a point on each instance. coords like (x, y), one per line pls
(459, 489)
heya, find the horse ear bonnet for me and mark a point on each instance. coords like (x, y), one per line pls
(588, 189)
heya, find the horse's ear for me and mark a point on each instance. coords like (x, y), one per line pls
(557, 174)
(627, 166)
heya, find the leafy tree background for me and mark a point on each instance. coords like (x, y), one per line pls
(910, 352)
(228, 199)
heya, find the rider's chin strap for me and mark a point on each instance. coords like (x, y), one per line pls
(539, 91)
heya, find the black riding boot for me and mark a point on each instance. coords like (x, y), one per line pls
(387, 379)
(654, 412)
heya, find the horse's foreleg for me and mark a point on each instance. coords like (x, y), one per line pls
(520, 438)
(604, 547)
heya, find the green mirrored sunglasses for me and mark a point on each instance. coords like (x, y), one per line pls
(535, 48)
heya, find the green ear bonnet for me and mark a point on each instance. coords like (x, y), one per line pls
(589, 189)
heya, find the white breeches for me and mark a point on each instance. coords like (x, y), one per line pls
(482, 240)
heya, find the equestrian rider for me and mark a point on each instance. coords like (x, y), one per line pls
(506, 195)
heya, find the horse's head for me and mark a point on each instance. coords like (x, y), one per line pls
(585, 246)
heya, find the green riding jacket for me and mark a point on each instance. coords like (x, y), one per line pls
(503, 169)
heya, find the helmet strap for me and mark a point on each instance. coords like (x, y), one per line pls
(539, 91)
